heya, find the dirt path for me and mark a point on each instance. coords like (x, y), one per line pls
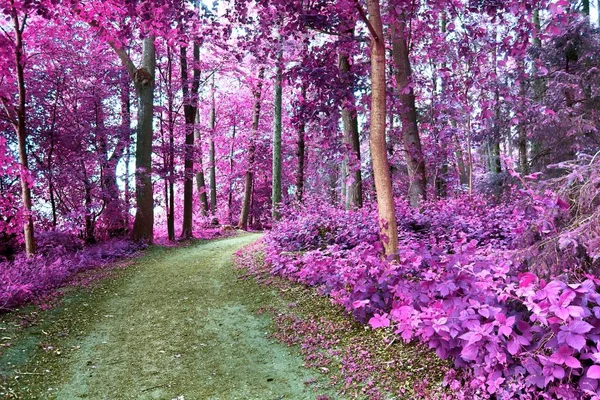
(179, 325)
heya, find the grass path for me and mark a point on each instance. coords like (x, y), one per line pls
(176, 325)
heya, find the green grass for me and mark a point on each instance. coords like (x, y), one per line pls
(176, 323)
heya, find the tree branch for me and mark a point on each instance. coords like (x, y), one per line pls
(125, 59)
(363, 15)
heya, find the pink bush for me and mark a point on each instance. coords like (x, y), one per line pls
(456, 288)
(61, 257)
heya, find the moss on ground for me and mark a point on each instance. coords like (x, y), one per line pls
(175, 324)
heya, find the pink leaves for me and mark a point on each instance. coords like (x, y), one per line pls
(593, 372)
(564, 357)
(573, 334)
(379, 321)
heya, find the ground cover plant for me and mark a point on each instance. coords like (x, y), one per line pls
(432, 167)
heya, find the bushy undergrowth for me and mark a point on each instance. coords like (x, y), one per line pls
(60, 257)
(459, 287)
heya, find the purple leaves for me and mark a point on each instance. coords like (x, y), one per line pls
(379, 321)
(454, 291)
(593, 372)
(573, 334)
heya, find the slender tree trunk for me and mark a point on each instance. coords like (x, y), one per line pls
(381, 168)
(276, 195)
(415, 159)
(126, 132)
(170, 158)
(200, 180)
(143, 226)
(301, 149)
(230, 193)
(353, 197)
(51, 157)
(21, 130)
(248, 183)
(211, 154)
(190, 108)
(89, 235)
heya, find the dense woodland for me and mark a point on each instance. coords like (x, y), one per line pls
(430, 165)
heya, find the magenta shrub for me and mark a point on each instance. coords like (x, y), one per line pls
(61, 257)
(455, 287)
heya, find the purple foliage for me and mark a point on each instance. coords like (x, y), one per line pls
(61, 257)
(455, 287)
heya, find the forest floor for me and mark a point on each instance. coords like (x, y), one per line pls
(177, 323)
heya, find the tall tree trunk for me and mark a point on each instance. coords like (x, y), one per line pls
(522, 133)
(126, 132)
(301, 148)
(276, 195)
(230, 193)
(415, 159)
(21, 130)
(90, 223)
(190, 108)
(143, 226)
(248, 183)
(353, 196)
(170, 158)
(211, 154)
(381, 168)
(200, 180)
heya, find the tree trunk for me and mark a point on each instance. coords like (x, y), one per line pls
(301, 149)
(415, 159)
(211, 154)
(353, 195)
(189, 109)
(126, 132)
(200, 180)
(143, 225)
(248, 183)
(276, 194)
(230, 193)
(21, 130)
(381, 168)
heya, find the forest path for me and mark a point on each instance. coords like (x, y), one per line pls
(180, 325)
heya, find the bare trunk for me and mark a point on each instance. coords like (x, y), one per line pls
(353, 193)
(189, 109)
(415, 160)
(381, 168)
(21, 130)
(276, 195)
(126, 132)
(243, 223)
(301, 150)
(230, 193)
(211, 154)
(200, 181)
(143, 225)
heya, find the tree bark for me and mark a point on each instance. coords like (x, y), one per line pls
(126, 132)
(211, 154)
(21, 130)
(189, 109)
(143, 225)
(301, 148)
(200, 180)
(415, 159)
(381, 168)
(230, 193)
(248, 182)
(353, 196)
(276, 194)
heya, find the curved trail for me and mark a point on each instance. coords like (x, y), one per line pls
(181, 326)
